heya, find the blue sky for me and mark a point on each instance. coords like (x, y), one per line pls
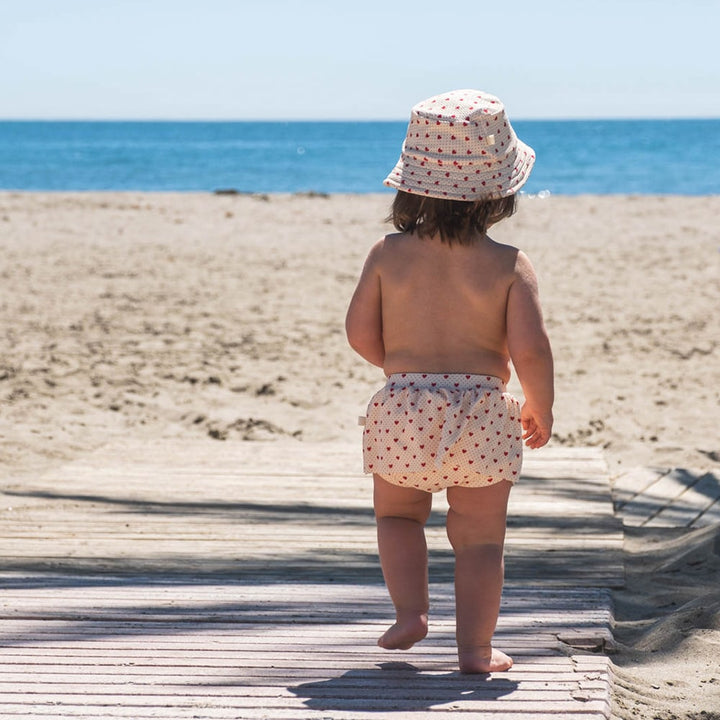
(370, 59)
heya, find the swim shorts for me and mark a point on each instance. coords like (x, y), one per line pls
(432, 431)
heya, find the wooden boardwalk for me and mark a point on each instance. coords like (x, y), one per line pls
(655, 497)
(240, 580)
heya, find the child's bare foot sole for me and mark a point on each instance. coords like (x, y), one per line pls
(404, 633)
(483, 659)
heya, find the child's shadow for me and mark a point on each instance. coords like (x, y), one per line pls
(399, 686)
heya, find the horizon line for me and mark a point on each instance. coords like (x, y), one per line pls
(642, 118)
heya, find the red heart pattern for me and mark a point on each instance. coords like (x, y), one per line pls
(443, 451)
(494, 153)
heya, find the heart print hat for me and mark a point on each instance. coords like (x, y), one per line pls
(460, 146)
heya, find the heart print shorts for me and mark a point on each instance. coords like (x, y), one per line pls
(433, 431)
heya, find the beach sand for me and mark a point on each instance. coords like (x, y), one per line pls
(221, 317)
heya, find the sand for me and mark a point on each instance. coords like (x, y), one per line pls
(222, 317)
(668, 626)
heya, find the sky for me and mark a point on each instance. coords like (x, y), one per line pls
(366, 60)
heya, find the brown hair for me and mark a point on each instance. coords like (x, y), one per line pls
(454, 220)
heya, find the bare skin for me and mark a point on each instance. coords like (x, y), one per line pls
(422, 305)
(476, 530)
(401, 514)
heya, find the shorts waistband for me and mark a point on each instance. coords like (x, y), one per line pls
(451, 381)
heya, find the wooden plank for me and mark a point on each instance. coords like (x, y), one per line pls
(687, 508)
(177, 712)
(531, 676)
(671, 499)
(250, 695)
(634, 482)
(711, 516)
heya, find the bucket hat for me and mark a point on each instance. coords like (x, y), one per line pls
(460, 146)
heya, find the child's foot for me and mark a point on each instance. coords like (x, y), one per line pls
(483, 659)
(404, 633)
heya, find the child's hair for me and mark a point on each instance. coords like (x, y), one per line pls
(453, 220)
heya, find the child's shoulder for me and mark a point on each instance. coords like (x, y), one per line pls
(509, 251)
(516, 262)
(501, 248)
(508, 255)
(377, 255)
(395, 239)
(387, 245)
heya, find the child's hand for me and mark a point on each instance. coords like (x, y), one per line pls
(537, 426)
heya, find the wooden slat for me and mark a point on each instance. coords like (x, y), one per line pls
(666, 498)
(700, 498)
(634, 482)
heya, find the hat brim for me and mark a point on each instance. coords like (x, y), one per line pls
(407, 173)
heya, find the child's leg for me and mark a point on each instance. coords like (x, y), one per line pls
(476, 529)
(401, 515)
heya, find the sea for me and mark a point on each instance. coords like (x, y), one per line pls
(679, 157)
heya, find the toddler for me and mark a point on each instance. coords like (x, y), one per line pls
(443, 310)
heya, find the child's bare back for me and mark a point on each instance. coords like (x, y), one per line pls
(444, 307)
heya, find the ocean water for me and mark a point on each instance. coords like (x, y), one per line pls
(573, 157)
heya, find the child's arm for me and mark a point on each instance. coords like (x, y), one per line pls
(363, 323)
(530, 353)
